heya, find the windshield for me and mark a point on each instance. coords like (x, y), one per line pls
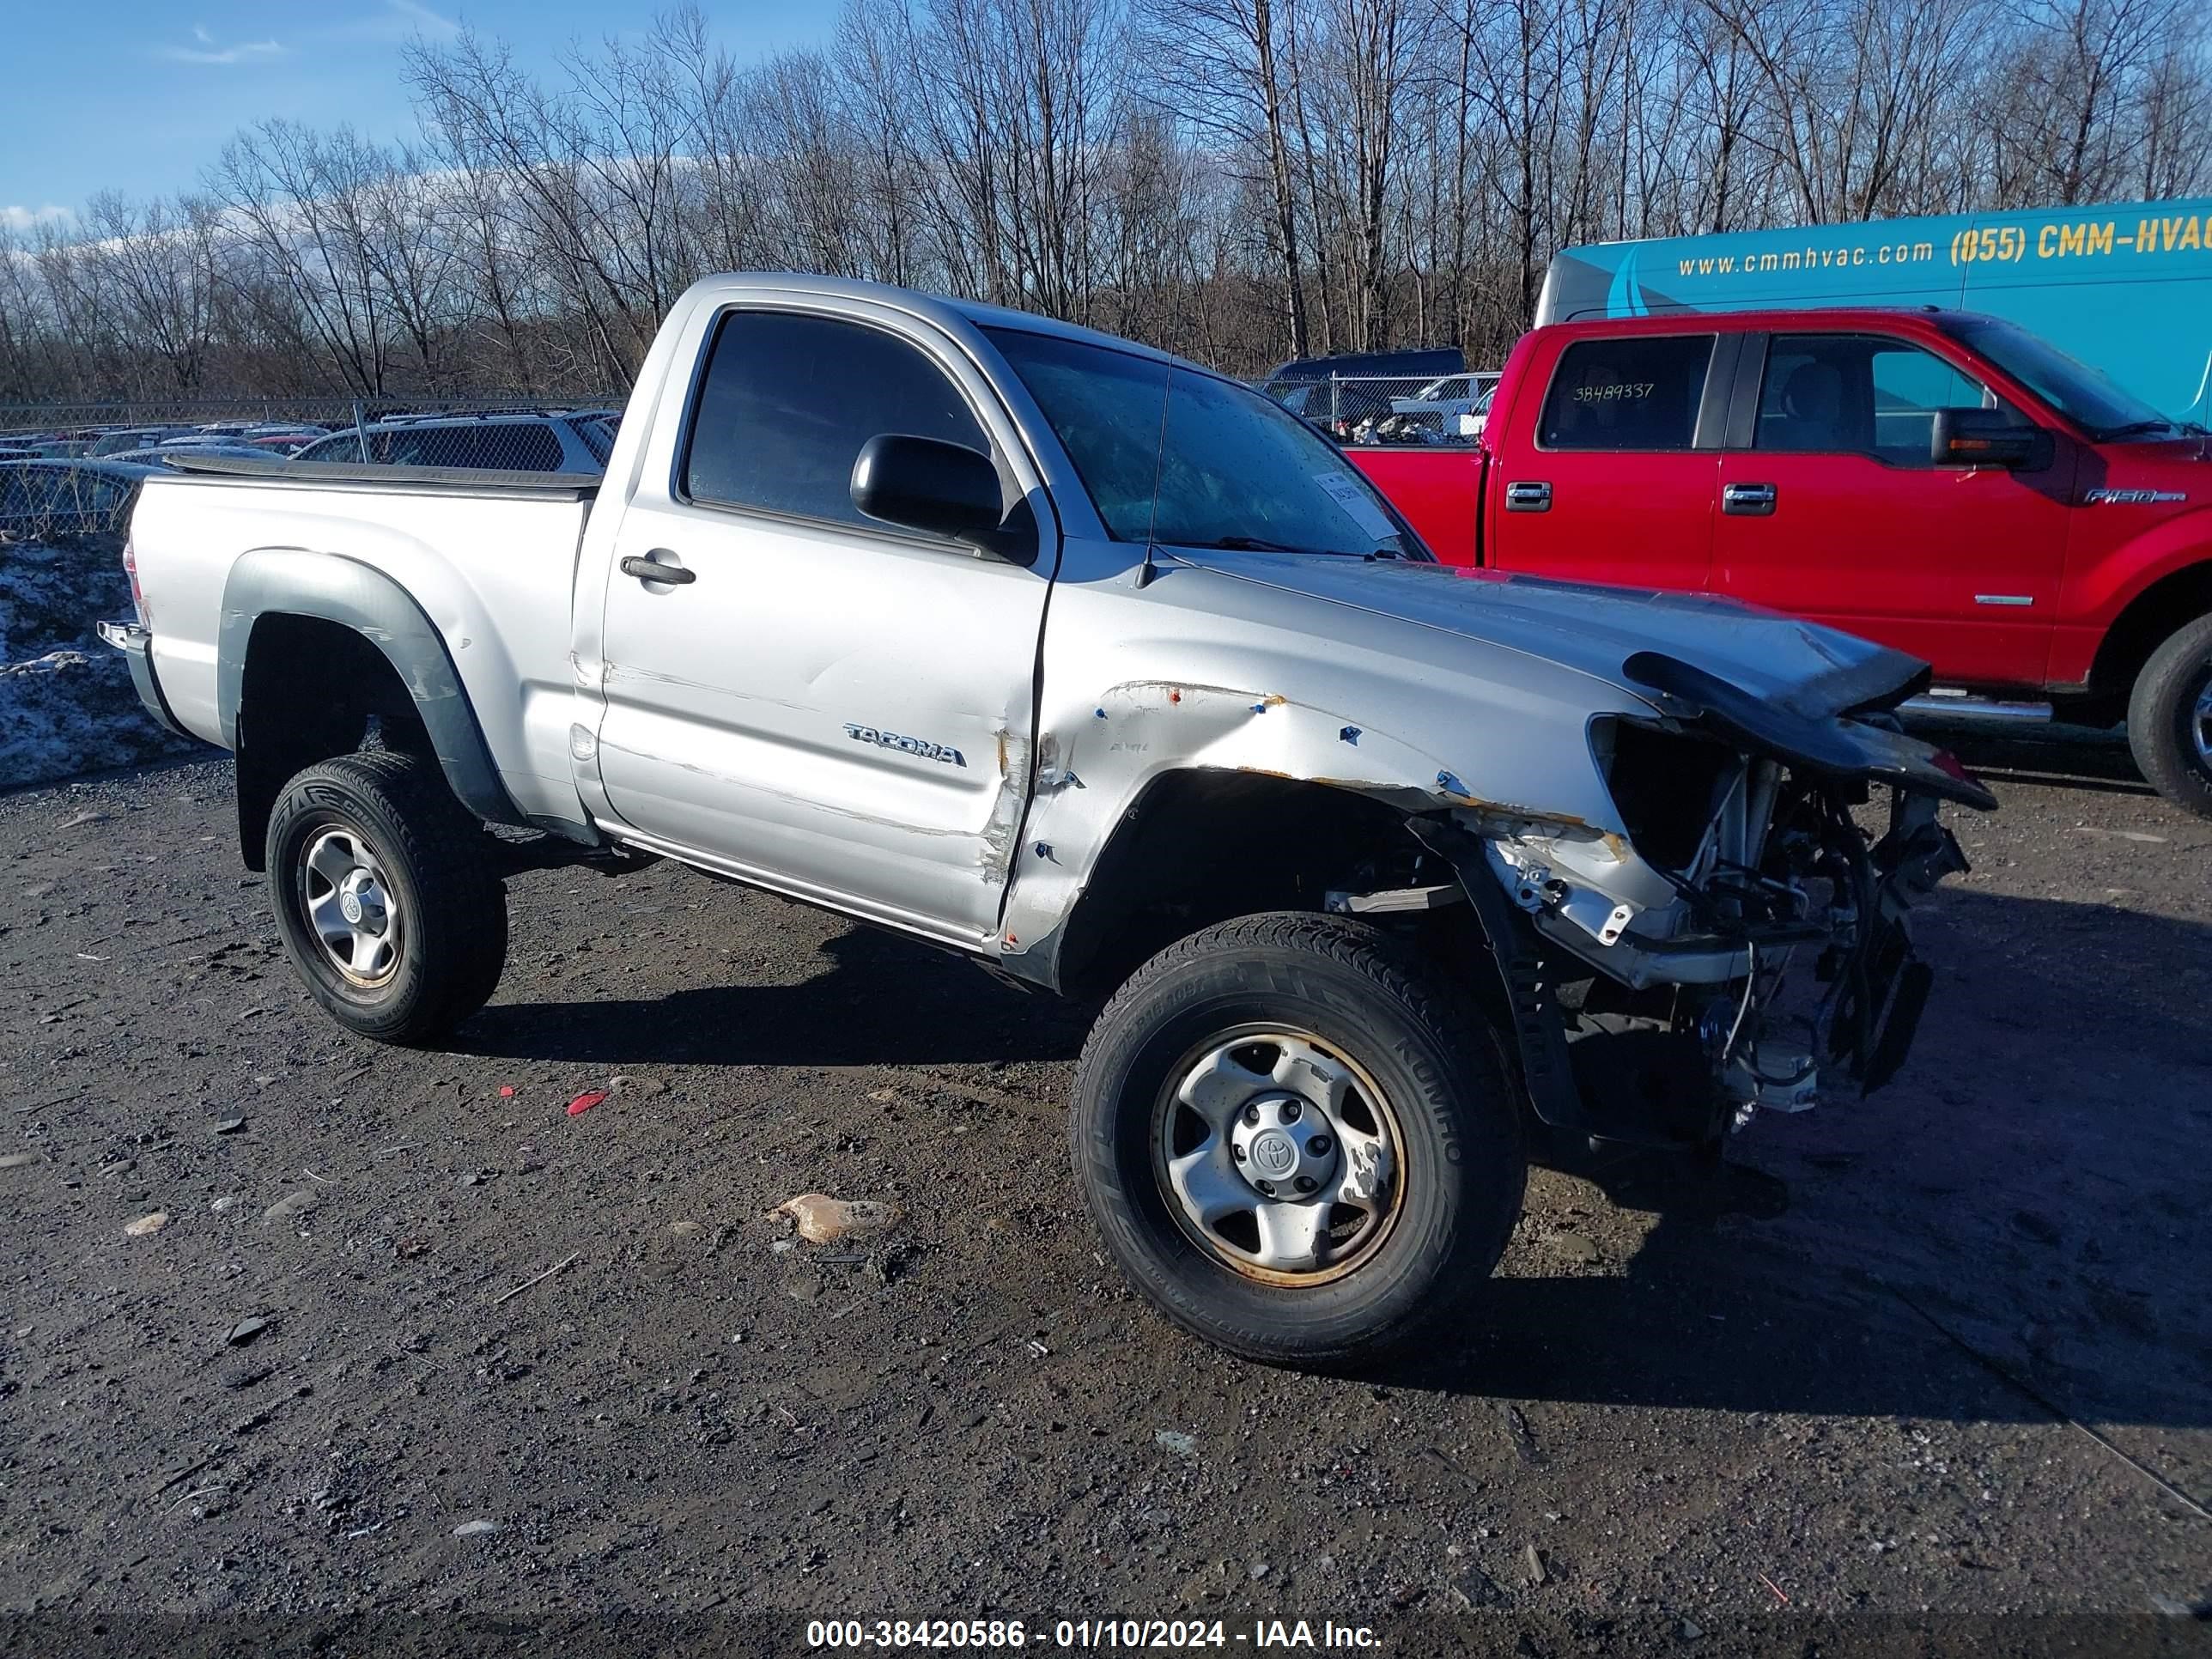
(2088, 395)
(1185, 459)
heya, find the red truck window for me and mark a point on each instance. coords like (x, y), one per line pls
(1635, 394)
(1858, 394)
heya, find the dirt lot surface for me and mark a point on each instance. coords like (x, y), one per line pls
(1910, 1373)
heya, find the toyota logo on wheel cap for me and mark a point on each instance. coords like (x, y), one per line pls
(1274, 1154)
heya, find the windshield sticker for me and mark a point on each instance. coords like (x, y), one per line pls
(1356, 504)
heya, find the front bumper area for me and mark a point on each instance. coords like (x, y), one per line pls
(1674, 1036)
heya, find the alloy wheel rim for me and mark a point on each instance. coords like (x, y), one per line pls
(351, 907)
(1279, 1155)
(2200, 724)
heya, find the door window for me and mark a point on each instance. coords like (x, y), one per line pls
(788, 401)
(1641, 392)
(1858, 394)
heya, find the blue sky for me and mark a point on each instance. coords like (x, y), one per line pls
(140, 96)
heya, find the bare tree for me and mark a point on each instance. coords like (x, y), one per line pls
(1240, 179)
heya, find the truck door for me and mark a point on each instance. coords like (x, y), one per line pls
(839, 707)
(1611, 478)
(1830, 509)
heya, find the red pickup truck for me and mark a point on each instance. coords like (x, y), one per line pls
(1945, 484)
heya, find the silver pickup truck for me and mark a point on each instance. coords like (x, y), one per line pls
(1106, 673)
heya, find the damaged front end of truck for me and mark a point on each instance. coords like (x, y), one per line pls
(1741, 942)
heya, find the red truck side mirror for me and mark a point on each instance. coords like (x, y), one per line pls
(1987, 437)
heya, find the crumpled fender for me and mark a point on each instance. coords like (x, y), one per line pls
(1092, 772)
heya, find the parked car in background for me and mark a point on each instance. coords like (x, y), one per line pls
(1099, 670)
(1421, 397)
(160, 453)
(124, 439)
(1448, 406)
(284, 443)
(1943, 483)
(1350, 391)
(72, 497)
(563, 440)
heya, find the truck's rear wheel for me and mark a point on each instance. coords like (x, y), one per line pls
(2170, 718)
(1296, 1142)
(388, 904)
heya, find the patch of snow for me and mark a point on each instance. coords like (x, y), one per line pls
(66, 702)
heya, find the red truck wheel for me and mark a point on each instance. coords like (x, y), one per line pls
(2170, 719)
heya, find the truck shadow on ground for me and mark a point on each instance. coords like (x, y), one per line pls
(885, 1002)
(2032, 1190)
(2017, 1228)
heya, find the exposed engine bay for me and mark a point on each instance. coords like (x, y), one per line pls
(1747, 946)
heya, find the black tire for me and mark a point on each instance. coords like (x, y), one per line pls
(1462, 1170)
(450, 940)
(2165, 721)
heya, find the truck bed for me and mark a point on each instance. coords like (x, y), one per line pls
(442, 480)
(490, 557)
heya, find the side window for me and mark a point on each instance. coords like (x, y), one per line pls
(1858, 394)
(343, 447)
(1637, 394)
(788, 400)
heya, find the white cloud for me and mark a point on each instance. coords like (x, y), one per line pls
(30, 218)
(245, 51)
(435, 24)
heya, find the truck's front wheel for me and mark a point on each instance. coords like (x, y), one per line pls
(389, 906)
(1297, 1144)
(2170, 718)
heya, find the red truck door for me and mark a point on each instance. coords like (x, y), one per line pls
(1607, 468)
(1830, 509)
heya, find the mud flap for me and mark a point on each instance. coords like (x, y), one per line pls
(1899, 1025)
(1532, 1002)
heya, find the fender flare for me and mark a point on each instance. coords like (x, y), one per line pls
(299, 582)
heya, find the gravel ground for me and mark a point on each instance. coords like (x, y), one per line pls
(1910, 1371)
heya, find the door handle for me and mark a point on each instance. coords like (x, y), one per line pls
(1527, 498)
(1748, 500)
(651, 570)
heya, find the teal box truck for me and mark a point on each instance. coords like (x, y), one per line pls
(2125, 288)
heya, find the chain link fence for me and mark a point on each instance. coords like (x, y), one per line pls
(73, 469)
(1399, 410)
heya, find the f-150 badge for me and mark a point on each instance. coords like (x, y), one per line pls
(914, 746)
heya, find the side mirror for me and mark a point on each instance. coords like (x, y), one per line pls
(1987, 437)
(924, 483)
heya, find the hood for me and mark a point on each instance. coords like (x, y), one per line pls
(2164, 472)
(1810, 670)
(1774, 684)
